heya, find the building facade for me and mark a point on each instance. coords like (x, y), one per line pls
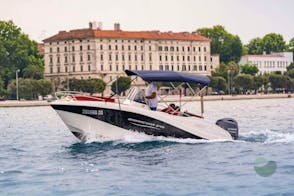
(268, 63)
(105, 54)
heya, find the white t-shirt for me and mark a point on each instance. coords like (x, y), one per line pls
(150, 89)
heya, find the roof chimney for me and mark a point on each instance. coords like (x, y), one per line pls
(116, 26)
(93, 25)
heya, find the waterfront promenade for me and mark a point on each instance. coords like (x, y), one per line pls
(174, 98)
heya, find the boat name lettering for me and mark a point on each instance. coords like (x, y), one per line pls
(146, 123)
(90, 112)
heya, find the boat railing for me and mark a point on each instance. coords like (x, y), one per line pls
(81, 96)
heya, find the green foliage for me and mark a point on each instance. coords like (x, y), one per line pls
(258, 81)
(255, 46)
(93, 85)
(227, 45)
(218, 83)
(29, 88)
(290, 73)
(225, 70)
(291, 66)
(290, 46)
(249, 69)
(3, 92)
(273, 42)
(44, 87)
(17, 51)
(244, 82)
(121, 85)
(278, 82)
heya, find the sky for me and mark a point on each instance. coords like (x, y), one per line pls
(248, 19)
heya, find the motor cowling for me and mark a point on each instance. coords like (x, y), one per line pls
(229, 125)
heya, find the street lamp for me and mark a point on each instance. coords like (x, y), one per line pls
(16, 77)
(230, 72)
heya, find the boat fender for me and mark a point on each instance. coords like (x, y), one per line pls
(230, 125)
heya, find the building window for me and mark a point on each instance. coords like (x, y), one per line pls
(123, 66)
(142, 48)
(101, 57)
(160, 48)
(135, 57)
(188, 58)
(58, 69)
(165, 48)
(193, 49)
(195, 68)
(199, 49)
(183, 48)
(199, 58)
(109, 47)
(129, 47)
(172, 67)
(73, 68)
(160, 58)
(200, 67)
(65, 59)
(73, 59)
(142, 57)
(51, 70)
(116, 48)
(166, 58)
(205, 58)
(81, 58)
(116, 67)
(130, 58)
(51, 59)
(123, 57)
(65, 49)
(166, 67)
(110, 67)
(122, 47)
(110, 57)
(172, 48)
(66, 69)
(160, 67)
(81, 48)
(116, 57)
(73, 48)
(149, 48)
(101, 47)
(88, 47)
(58, 59)
(172, 58)
(150, 57)
(50, 49)
(205, 68)
(183, 58)
(188, 49)
(177, 49)
(135, 47)
(178, 67)
(178, 58)
(101, 67)
(204, 48)
(82, 68)
(184, 68)
(57, 49)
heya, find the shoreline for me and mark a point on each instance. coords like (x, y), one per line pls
(173, 98)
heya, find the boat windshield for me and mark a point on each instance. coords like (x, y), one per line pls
(136, 95)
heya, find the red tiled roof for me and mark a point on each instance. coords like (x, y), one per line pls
(263, 55)
(40, 48)
(155, 35)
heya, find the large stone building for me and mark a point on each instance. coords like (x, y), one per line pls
(96, 53)
(268, 63)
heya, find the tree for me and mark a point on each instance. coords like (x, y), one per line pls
(27, 89)
(249, 69)
(273, 42)
(44, 87)
(244, 82)
(95, 85)
(290, 46)
(290, 73)
(227, 45)
(3, 92)
(121, 85)
(255, 46)
(278, 82)
(258, 81)
(218, 83)
(291, 66)
(17, 51)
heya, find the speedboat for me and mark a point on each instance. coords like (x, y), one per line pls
(112, 119)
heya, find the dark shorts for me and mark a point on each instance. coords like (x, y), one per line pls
(153, 108)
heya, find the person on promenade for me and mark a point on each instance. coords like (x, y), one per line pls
(151, 95)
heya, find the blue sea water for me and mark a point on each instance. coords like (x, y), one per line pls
(39, 156)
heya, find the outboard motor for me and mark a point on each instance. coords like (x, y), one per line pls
(229, 125)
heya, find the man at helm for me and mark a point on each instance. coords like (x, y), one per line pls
(151, 95)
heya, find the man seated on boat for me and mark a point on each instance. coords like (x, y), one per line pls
(172, 109)
(151, 95)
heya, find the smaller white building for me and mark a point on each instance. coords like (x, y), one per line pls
(268, 63)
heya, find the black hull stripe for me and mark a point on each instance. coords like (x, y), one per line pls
(128, 120)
